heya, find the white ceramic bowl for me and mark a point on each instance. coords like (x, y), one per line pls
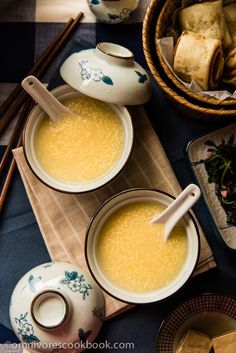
(35, 117)
(104, 212)
(109, 73)
(56, 304)
(112, 11)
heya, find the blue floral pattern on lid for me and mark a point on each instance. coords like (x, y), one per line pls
(76, 283)
(26, 330)
(83, 335)
(142, 77)
(122, 16)
(34, 282)
(96, 74)
(99, 312)
(48, 265)
(94, 2)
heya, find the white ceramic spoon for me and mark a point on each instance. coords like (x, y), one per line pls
(178, 208)
(45, 99)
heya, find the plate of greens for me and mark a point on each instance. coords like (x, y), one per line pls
(213, 159)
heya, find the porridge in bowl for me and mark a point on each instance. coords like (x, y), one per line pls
(132, 252)
(84, 149)
(127, 254)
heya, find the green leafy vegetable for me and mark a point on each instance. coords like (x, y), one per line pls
(221, 170)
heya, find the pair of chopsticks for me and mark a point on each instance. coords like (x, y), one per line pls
(19, 101)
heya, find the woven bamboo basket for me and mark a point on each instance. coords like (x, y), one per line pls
(193, 107)
(163, 21)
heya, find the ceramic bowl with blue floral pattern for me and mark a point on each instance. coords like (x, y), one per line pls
(113, 11)
(56, 306)
(108, 73)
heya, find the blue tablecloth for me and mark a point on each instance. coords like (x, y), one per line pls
(21, 244)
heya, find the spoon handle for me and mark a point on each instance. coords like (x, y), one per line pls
(43, 97)
(178, 208)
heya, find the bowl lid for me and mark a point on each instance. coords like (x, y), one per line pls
(55, 303)
(108, 73)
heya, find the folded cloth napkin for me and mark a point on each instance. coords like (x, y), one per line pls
(63, 218)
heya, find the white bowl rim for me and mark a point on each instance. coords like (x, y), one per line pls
(191, 218)
(101, 185)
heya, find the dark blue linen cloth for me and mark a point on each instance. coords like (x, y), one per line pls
(21, 244)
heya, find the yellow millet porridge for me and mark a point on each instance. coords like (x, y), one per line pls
(83, 149)
(132, 252)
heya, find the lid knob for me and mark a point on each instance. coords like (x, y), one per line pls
(114, 53)
(49, 309)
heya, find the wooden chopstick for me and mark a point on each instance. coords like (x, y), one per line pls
(16, 132)
(19, 96)
(7, 183)
(11, 106)
(5, 106)
(8, 179)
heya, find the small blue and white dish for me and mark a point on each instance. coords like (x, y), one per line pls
(112, 11)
